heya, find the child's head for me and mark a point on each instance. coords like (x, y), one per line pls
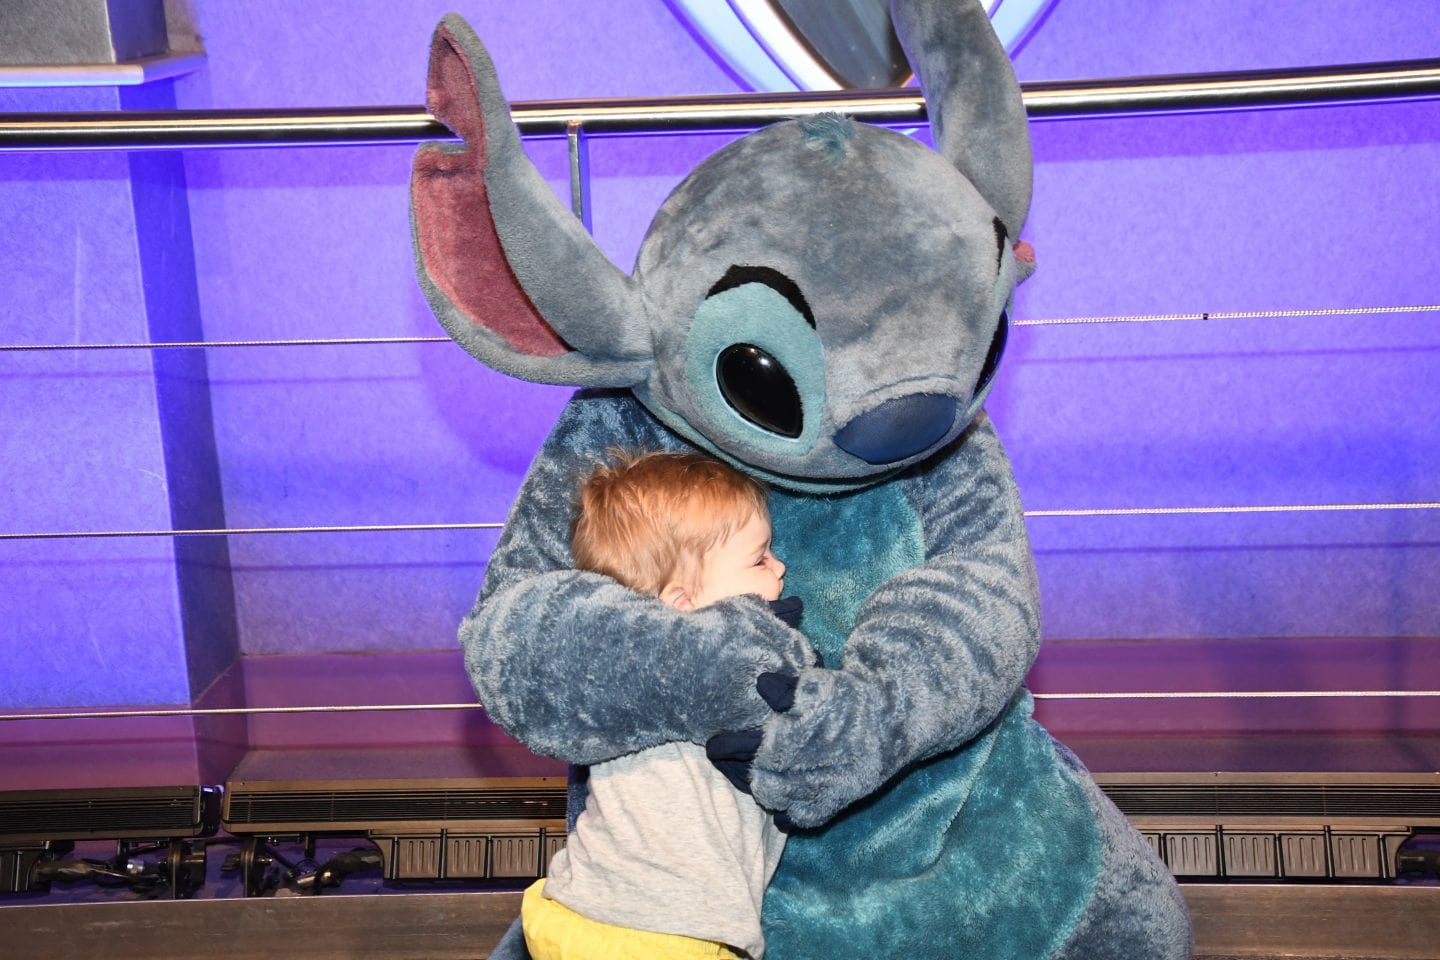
(684, 527)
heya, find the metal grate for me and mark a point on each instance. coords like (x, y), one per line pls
(76, 814)
(1297, 800)
(359, 807)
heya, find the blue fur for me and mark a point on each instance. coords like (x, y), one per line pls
(837, 550)
(828, 133)
(952, 819)
(580, 668)
(998, 884)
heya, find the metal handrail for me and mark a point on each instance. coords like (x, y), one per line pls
(180, 129)
(158, 711)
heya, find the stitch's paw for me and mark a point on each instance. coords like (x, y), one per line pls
(770, 648)
(824, 753)
(733, 751)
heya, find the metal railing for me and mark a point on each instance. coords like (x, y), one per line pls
(181, 129)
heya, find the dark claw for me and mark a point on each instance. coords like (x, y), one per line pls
(778, 690)
(789, 610)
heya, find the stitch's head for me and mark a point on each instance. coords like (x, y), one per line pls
(821, 302)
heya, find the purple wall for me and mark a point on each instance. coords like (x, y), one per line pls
(80, 444)
(1294, 209)
(1304, 208)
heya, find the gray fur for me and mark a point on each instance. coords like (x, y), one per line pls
(828, 133)
(977, 116)
(1132, 915)
(545, 246)
(845, 223)
(888, 209)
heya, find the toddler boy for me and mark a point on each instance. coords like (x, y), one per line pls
(667, 860)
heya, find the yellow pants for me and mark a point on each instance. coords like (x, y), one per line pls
(555, 932)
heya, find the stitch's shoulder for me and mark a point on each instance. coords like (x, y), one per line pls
(597, 419)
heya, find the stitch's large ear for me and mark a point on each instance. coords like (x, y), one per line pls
(976, 113)
(511, 274)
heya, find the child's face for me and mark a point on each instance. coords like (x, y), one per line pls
(741, 564)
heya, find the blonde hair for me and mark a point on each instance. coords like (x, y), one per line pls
(648, 519)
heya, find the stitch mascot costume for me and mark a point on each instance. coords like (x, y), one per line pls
(821, 303)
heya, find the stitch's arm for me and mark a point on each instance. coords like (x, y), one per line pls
(935, 655)
(576, 666)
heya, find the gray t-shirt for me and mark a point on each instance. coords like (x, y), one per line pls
(666, 844)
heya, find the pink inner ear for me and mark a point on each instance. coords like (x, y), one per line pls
(460, 248)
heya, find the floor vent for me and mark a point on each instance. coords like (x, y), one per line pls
(109, 813)
(1278, 826)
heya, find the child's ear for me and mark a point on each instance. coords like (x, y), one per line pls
(677, 596)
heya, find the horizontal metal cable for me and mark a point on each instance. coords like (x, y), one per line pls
(237, 711)
(206, 344)
(423, 707)
(496, 525)
(1234, 315)
(371, 341)
(359, 528)
(1245, 695)
(1267, 508)
(1402, 80)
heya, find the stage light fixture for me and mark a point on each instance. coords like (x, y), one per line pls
(777, 45)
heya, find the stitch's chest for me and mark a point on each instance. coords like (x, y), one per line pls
(837, 550)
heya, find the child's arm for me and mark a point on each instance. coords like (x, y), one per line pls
(576, 666)
(935, 655)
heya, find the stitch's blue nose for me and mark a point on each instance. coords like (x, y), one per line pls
(898, 428)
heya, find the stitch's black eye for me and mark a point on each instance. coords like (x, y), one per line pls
(758, 388)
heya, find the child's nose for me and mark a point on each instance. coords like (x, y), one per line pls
(779, 566)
